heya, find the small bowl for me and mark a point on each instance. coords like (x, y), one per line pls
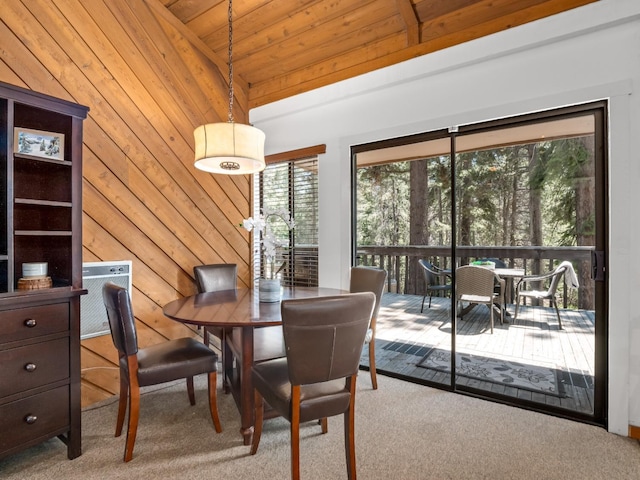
(34, 269)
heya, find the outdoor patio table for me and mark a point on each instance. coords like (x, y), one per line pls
(509, 274)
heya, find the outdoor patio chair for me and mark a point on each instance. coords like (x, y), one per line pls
(476, 285)
(317, 378)
(435, 279)
(368, 279)
(564, 269)
(498, 264)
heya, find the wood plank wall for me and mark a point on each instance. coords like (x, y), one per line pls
(148, 83)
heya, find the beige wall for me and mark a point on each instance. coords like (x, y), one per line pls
(147, 84)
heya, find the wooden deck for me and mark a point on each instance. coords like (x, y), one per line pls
(404, 336)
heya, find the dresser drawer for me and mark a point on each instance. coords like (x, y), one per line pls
(23, 323)
(33, 365)
(33, 417)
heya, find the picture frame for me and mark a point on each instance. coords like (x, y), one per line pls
(38, 143)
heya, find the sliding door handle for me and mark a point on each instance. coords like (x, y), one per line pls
(597, 265)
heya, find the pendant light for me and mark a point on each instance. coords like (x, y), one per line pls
(229, 148)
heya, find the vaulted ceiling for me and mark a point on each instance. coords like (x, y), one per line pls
(285, 47)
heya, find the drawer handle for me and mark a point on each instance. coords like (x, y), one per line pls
(30, 367)
(30, 322)
(30, 419)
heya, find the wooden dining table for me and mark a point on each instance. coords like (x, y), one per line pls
(244, 318)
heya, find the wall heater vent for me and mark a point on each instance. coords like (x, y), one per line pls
(93, 316)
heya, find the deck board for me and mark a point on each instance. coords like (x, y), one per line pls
(404, 335)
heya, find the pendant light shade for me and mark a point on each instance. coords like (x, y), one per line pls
(229, 148)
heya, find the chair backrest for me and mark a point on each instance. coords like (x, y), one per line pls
(474, 280)
(555, 279)
(428, 271)
(216, 277)
(121, 320)
(323, 336)
(368, 279)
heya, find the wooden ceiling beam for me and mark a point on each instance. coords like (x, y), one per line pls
(411, 22)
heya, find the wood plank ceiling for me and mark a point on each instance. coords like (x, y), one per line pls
(285, 47)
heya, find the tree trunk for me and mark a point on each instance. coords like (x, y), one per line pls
(536, 184)
(418, 221)
(585, 221)
(513, 221)
(465, 202)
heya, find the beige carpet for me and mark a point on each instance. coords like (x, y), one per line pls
(403, 431)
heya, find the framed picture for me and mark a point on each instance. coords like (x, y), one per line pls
(38, 143)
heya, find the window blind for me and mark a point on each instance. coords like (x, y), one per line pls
(292, 186)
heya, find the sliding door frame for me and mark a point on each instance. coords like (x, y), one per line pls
(599, 109)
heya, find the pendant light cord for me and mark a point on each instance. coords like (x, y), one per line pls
(230, 117)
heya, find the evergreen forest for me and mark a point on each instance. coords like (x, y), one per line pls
(536, 194)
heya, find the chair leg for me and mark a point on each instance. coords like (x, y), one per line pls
(295, 432)
(191, 391)
(324, 424)
(349, 431)
(422, 307)
(515, 315)
(372, 363)
(122, 403)
(491, 316)
(430, 300)
(213, 401)
(555, 304)
(372, 353)
(134, 416)
(207, 341)
(257, 424)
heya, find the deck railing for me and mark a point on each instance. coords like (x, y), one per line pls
(404, 277)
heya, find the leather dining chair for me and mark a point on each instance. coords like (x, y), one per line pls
(317, 379)
(368, 279)
(217, 277)
(164, 362)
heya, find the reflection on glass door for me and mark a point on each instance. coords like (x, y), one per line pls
(524, 203)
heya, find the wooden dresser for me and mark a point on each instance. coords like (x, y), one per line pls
(40, 221)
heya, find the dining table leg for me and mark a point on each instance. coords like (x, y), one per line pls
(246, 385)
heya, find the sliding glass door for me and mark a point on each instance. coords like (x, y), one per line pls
(523, 199)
